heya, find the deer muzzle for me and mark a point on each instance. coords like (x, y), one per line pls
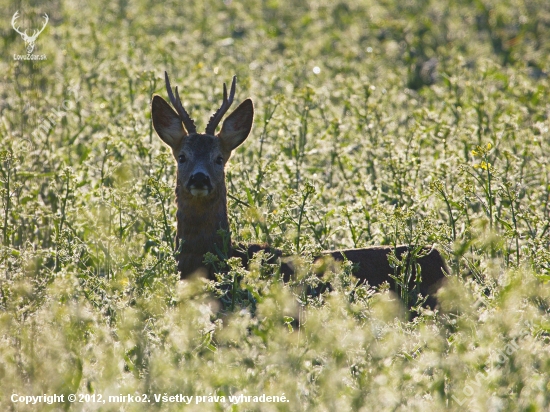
(199, 184)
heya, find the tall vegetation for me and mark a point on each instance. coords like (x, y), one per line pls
(421, 122)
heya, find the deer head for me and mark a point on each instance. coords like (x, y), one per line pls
(201, 157)
(29, 40)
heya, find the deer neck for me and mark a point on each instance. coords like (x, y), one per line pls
(199, 221)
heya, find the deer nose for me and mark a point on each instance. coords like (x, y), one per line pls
(199, 181)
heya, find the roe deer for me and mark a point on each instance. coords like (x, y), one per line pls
(201, 196)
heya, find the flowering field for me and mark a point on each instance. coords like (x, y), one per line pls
(390, 122)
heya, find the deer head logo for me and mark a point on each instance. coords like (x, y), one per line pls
(29, 40)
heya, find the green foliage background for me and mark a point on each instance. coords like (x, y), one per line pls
(419, 122)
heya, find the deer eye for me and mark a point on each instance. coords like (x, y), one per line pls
(219, 160)
(181, 158)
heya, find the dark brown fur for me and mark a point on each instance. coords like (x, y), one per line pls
(371, 265)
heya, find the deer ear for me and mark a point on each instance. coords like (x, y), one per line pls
(166, 122)
(236, 127)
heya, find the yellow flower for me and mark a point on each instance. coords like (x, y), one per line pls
(485, 165)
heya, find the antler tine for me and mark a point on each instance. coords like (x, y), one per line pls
(217, 116)
(46, 18)
(13, 19)
(176, 102)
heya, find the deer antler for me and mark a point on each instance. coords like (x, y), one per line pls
(176, 102)
(15, 17)
(37, 32)
(216, 117)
